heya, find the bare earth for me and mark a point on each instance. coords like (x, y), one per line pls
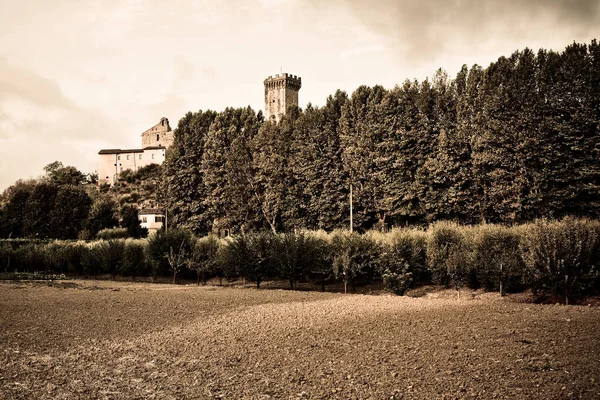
(110, 340)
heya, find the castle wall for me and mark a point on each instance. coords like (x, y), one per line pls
(154, 139)
(291, 99)
(159, 135)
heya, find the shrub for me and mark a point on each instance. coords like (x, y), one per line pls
(447, 254)
(203, 257)
(134, 259)
(496, 257)
(104, 188)
(55, 256)
(561, 256)
(397, 275)
(85, 234)
(150, 171)
(91, 261)
(29, 257)
(135, 197)
(250, 256)
(355, 257)
(408, 245)
(321, 266)
(167, 251)
(111, 254)
(294, 255)
(112, 233)
(73, 254)
(6, 256)
(127, 176)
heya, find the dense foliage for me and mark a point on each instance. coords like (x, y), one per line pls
(509, 143)
(557, 258)
(64, 204)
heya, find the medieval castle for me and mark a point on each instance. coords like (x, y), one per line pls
(154, 143)
(281, 92)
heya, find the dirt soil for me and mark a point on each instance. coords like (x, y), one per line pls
(109, 340)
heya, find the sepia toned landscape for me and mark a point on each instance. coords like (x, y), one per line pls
(300, 199)
(110, 340)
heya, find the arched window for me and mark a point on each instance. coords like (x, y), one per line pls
(157, 137)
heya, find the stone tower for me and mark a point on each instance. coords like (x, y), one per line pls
(160, 135)
(280, 93)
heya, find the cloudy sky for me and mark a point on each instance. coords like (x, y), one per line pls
(80, 75)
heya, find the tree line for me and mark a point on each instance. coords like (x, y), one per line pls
(553, 258)
(64, 204)
(509, 143)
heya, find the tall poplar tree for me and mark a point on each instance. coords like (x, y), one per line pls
(229, 176)
(321, 186)
(184, 191)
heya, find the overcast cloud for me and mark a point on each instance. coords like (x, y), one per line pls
(77, 76)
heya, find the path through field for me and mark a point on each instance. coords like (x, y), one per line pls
(111, 340)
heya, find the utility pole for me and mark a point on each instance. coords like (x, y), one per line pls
(351, 223)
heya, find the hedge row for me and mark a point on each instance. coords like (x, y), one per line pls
(554, 257)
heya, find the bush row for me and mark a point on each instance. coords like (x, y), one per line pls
(553, 257)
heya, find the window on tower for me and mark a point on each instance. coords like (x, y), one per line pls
(157, 137)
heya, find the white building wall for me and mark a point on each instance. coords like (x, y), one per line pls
(152, 222)
(112, 164)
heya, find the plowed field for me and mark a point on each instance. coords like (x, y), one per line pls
(110, 340)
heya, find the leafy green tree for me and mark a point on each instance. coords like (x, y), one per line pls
(130, 221)
(203, 257)
(320, 188)
(250, 255)
(14, 201)
(70, 212)
(39, 206)
(227, 165)
(506, 96)
(103, 214)
(408, 147)
(273, 177)
(59, 174)
(294, 255)
(42, 209)
(448, 254)
(365, 157)
(183, 182)
(168, 251)
(355, 258)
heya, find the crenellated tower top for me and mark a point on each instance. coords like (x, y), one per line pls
(281, 92)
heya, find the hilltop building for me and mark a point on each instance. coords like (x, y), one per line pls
(280, 93)
(154, 143)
